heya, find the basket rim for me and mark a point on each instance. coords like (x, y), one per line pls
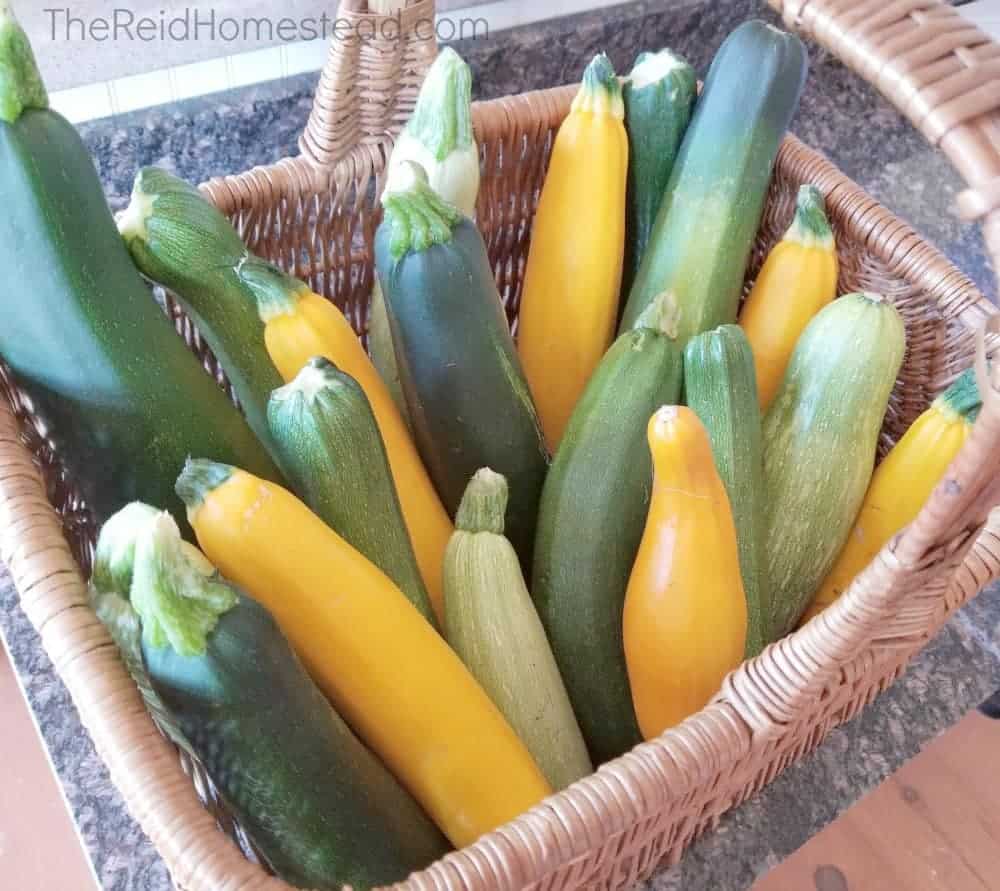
(895, 242)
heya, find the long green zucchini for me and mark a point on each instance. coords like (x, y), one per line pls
(820, 438)
(721, 387)
(334, 455)
(468, 400)
(124, 401)
(659, 96)
(182, 242)
(706, 225)
(591, 520)
(494, 627)
(319, 806)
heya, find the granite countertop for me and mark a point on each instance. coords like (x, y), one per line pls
(859, 131)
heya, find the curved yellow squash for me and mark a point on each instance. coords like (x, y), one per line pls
(902, 484)
(305, 326)
(685, 622)
(569, 310)
(381, 664)
(797, 280)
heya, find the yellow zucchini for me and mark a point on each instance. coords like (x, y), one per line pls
(797, 280)
(573, 277)
(685, 621)
(299, 326)
(384, 668)
(902, 484)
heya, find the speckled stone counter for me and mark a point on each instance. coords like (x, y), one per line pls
(860, 132)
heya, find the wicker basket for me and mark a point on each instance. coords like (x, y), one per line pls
(316, 216)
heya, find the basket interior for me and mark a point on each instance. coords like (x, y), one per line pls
(322, 230)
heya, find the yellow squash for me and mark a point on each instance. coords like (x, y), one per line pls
(569, 310)
(300, 326)
(685, 622)
(797, 280)
(902, 484)
(381, 664)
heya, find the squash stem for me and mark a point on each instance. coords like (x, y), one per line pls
(276, 292)
(652, 68)
(810, 227)
(21, 86)
(115, 553)
(199, 479)
(416, 215)
(484, 504)
(601, 91)
(442, 120)
(962, 398)
(317, 375)
(663, 314)
(178, 605)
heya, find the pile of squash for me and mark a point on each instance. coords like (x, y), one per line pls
(439, 582)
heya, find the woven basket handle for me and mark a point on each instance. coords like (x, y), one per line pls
(379, 54)
(937, 68)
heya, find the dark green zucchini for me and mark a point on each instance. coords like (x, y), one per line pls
(591, 520)
(124, 400)
(468, 400)
(318, 805)
(659, 95)
(334, 455)
(706, 225)
(182, 242)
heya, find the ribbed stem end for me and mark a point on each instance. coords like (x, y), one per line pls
(484, 504)
(276, 292)
(416, 215)
(199, 479)
(179, 606)
(442, 120)
(810, 226)
(601, 92)
(21, 86)
(962, 397)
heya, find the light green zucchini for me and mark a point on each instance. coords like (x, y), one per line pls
(820, 440)
(492, 624)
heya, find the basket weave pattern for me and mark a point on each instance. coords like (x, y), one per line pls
(616, 827)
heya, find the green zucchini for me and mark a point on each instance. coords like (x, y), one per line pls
(721, 387)
(820, 440)
(320, 808)
(591, 520)
(706, 225)
(468, 399)
(333, 452)
(659, 95)
(439, 137)
(123, 399)
(494, 627)
(182, 242)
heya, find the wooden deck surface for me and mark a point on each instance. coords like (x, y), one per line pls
(933, 826)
